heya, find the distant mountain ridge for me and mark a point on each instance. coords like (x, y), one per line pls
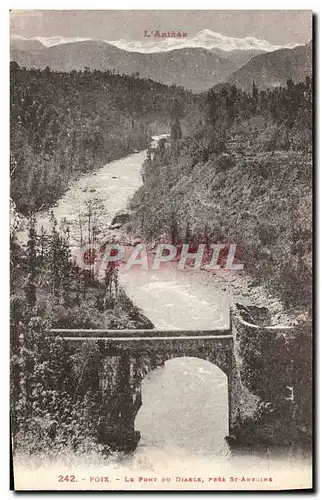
(275, 68)
(196, 69)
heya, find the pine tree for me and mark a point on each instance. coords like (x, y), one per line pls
(176, 132)
(255, 99)
(176, 114)
(53, 255)
(31, 264)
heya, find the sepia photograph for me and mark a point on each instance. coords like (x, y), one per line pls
(161, 169)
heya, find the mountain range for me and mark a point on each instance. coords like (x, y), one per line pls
(197, 69)
(197, 63)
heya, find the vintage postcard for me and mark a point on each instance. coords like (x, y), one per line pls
(161, 249)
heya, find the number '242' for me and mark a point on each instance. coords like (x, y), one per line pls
(62, 478)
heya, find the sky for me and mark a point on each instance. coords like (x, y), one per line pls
(277, 27)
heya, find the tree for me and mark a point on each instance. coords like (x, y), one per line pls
(176, 132)
(255, 99)
(176, 114)
(290, 84)
(31, 264)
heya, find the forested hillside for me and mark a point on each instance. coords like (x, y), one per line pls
(275, 68)
(242, 176)
(64, 124)
(56, 403)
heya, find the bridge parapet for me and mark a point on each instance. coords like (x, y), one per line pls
(136, 334)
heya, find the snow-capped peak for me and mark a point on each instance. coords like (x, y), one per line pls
(206, 39)
(49, 41)
(57, 40)
(206, 35)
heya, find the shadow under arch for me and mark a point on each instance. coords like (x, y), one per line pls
(185, 405)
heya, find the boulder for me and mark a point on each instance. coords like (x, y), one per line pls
(259, 316)
(121, 218)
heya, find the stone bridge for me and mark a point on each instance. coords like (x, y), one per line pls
(128, 355)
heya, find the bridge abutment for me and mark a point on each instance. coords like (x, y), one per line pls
(120, 384)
